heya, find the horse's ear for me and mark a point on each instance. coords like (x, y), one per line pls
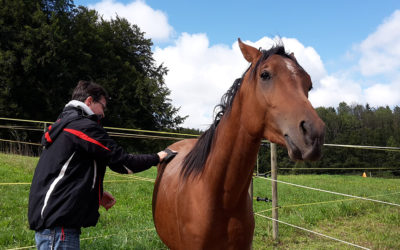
(250, 53)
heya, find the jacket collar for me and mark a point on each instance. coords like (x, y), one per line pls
(80, 105)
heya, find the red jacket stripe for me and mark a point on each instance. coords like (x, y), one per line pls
(85, 137)
(47, 136)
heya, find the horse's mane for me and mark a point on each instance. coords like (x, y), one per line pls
(195, 160)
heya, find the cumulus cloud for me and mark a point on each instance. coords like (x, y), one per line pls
(335, 89)
(153, 22)
(374, 78)
(199, 74)
(380, 51)
(383, 94)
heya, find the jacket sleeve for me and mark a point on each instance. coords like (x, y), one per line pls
(136, 163)
(95, 141)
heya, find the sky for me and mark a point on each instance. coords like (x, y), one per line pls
(351, 49)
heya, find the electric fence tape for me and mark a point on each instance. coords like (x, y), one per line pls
(396, 149)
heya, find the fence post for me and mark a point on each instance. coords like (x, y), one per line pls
(274, 170)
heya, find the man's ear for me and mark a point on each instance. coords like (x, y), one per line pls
(88, 101)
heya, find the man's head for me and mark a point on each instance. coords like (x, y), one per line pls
(93, 95)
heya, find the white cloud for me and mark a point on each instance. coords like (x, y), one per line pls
(380, 51)
(199, 74)
(153, 22)
(383, 94)
(335, 89)
(378, 67)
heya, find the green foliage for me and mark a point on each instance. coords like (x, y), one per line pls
(359, 125)
(46, 46)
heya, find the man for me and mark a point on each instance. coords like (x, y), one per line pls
(67, 187)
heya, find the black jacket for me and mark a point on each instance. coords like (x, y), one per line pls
(68, 182)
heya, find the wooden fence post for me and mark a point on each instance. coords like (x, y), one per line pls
(274, 170)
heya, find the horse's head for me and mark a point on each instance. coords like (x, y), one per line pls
(279, 107)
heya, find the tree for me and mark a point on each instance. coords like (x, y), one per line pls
(47, 46)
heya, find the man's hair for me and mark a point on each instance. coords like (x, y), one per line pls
(84, 89)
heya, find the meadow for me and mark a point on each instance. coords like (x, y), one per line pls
(129, 225)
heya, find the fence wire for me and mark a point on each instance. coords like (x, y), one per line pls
(164, 135)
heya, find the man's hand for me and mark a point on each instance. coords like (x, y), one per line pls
(162, 155)
(107, 201)
(166, 155)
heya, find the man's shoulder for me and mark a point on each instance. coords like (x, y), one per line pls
(86, 123)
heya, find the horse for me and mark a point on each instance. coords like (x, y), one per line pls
(200, 198)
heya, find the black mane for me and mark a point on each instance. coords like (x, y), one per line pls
(195, 160)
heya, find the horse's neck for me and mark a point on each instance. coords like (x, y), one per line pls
(231, 162)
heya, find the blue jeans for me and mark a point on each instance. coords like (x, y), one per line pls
(57, 238)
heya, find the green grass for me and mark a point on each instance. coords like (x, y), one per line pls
(129, 224)
(356, 221)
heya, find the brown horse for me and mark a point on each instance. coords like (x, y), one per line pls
(201, 198)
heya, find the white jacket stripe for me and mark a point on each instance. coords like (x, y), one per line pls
(56, 180)
(94, 173)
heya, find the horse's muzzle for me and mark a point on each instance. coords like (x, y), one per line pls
(306, 142)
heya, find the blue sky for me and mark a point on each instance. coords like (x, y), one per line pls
(342, 44)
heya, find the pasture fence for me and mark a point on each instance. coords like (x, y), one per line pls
(310, 231)
(163, 135)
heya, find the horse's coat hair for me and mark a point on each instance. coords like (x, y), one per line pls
(200, 198)
(195, 160)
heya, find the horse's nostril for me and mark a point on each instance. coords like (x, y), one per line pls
(303, 127)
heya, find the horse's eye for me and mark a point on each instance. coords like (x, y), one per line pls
(265, 75)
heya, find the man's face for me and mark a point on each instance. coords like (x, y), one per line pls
(98, 107)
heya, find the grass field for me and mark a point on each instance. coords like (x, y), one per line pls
(129, 225)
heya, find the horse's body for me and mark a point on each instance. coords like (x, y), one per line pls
(201, 199)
